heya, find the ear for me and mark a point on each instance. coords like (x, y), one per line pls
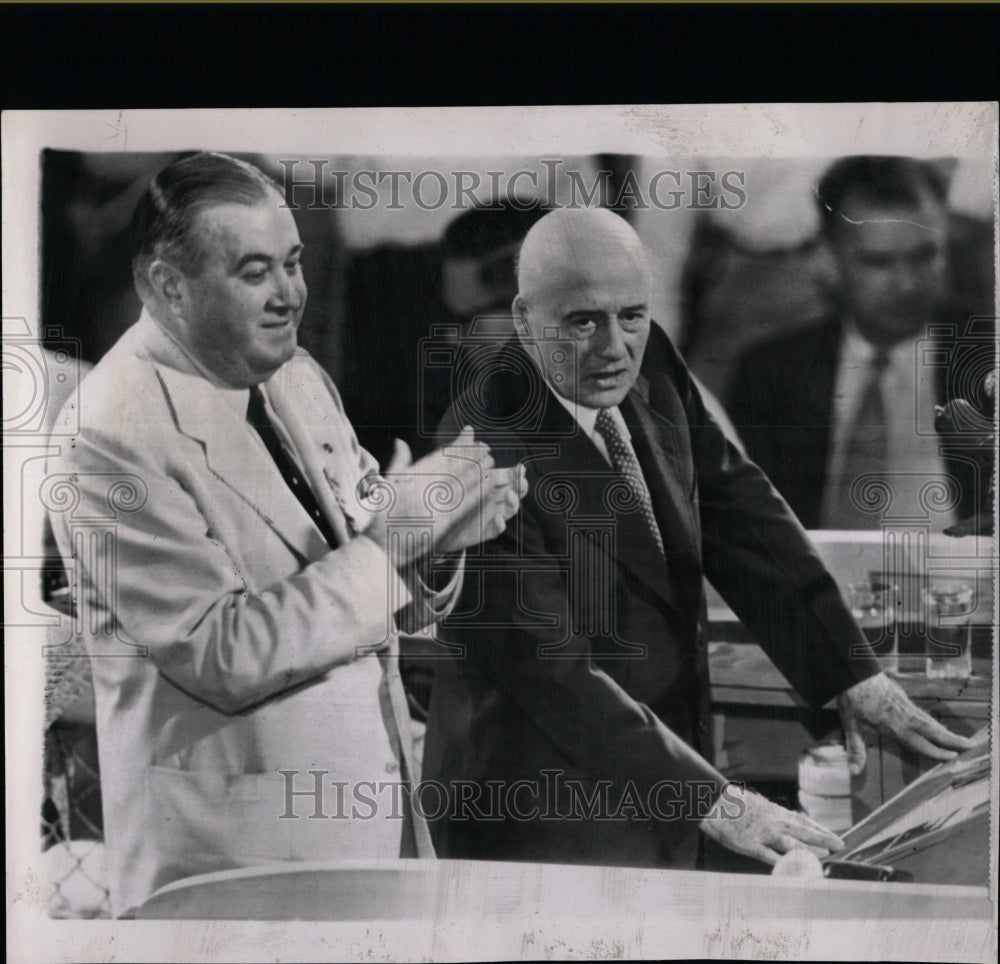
(519, 310)
(169, 283)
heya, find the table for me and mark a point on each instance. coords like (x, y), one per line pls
(762, 726)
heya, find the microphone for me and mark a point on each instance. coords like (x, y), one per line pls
(967, 428)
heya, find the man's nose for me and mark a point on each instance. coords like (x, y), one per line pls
(612, 343)
(287, 294)
(907, 279)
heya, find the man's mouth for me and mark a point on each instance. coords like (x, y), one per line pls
(608, 377)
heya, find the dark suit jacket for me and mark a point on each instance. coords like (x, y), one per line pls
(781, 402)
(580, 649)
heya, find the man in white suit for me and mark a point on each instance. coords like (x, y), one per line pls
(252, 578)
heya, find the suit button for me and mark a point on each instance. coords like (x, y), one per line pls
(702, 726)
(392, 767)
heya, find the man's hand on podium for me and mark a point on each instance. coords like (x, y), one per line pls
(750, 824)
(880, 704)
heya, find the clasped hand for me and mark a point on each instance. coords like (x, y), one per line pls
(447, 501)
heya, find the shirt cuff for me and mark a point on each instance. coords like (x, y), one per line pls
(435, 584)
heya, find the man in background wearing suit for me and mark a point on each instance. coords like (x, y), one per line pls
(849, 401)
(570, 724)
(252, 587)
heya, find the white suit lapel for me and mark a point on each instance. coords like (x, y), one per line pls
(233, 450)
(236, 455)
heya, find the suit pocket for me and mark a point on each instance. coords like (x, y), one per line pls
(190, 812)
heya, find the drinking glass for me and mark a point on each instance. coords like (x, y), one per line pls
(873, 605)
(948, 604)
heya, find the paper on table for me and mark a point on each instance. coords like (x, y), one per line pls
(939, 800)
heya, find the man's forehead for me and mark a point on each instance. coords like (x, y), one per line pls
(594, 280)
(593, 294)
(236, 227)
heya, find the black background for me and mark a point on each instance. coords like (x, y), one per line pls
(316, 55)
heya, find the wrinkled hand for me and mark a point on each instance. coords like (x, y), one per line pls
(456, 495)
(750, 824)
(880, 704)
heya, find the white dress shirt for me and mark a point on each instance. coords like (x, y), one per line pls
(909, 396)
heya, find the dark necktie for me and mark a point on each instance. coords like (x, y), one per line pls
(866, 450)
(257, 417)
(626, 465)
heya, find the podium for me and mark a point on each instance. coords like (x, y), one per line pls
(447, 890)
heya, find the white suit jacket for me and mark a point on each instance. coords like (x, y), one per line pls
(225, 633)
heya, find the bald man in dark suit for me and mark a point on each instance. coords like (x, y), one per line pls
(570, 725)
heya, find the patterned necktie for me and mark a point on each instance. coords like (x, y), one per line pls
(627, 465)
(258, 418)
(866, 450)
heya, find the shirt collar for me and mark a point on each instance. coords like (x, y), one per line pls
(586, 417)
(859, 348)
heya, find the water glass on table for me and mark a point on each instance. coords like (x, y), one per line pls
(948, 604)
(873, 604)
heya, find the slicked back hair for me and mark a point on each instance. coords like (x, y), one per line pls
(164, 218)
(882, 181)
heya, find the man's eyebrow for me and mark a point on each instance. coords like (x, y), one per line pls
(642, 306)
(266, 258)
